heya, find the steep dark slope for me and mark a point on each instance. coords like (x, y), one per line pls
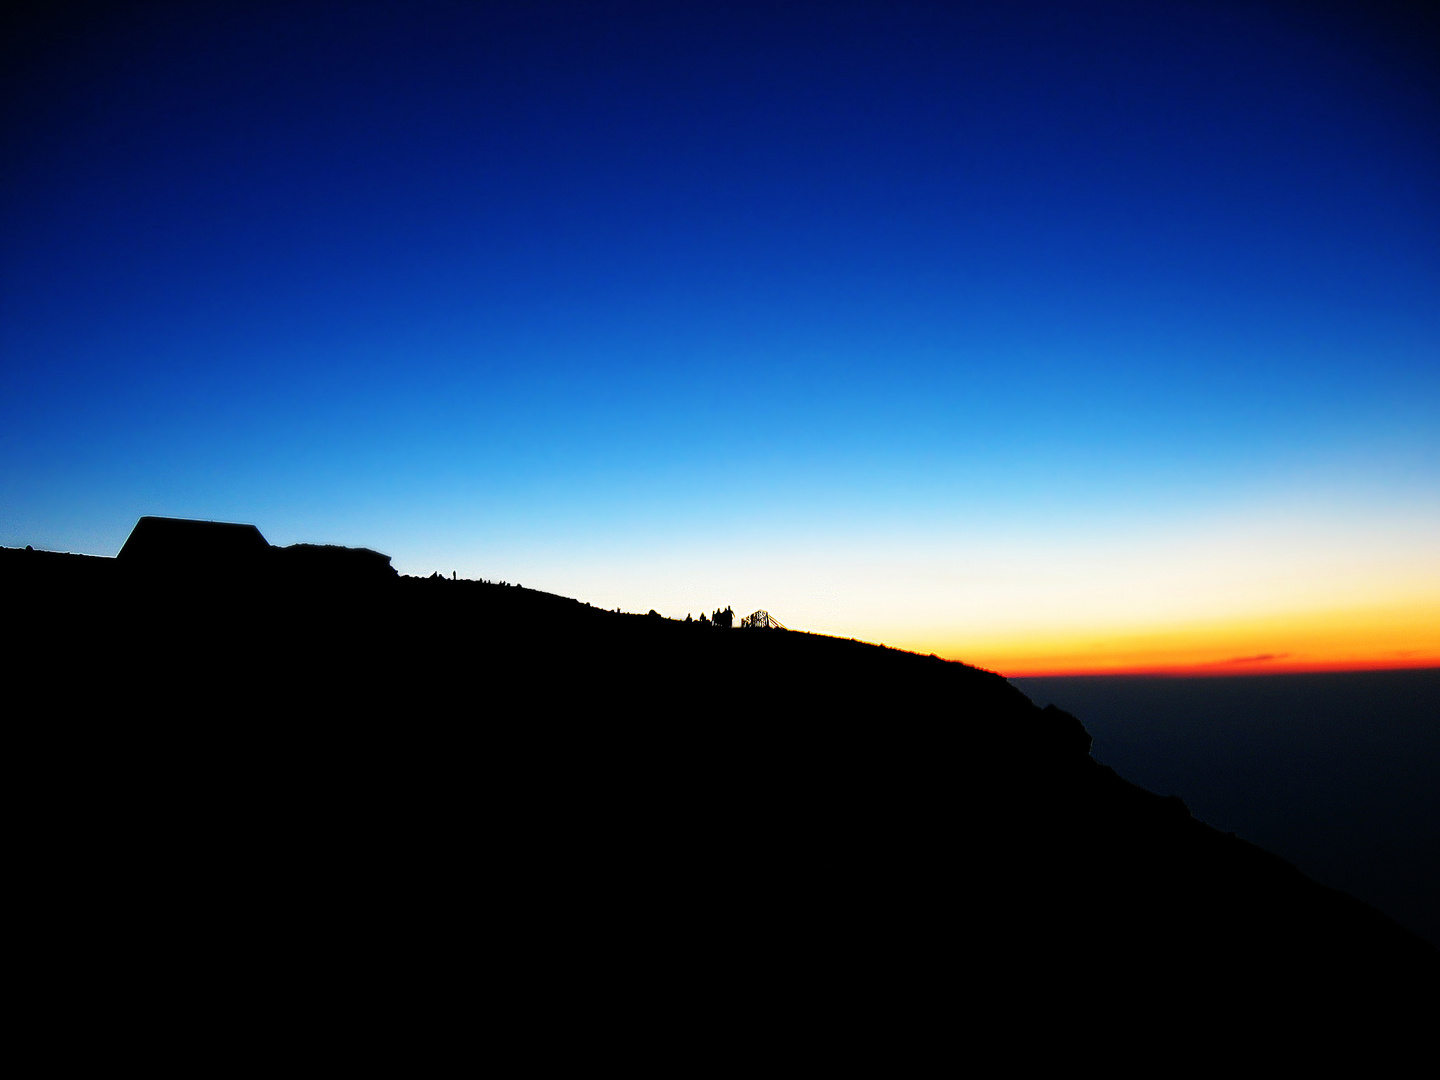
(366, 778)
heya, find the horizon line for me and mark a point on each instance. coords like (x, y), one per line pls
(1227, 670)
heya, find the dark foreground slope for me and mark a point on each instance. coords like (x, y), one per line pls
(300, 796)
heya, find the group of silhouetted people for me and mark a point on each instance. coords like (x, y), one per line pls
(724, 618)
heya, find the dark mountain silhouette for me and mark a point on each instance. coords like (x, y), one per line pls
(302, 770)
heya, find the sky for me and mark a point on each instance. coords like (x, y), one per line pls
(1053, 337)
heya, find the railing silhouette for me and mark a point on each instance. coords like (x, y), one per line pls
(761, 620)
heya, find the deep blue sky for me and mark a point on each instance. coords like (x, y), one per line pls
(873, 314)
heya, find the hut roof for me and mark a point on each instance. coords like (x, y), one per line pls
(180, 542)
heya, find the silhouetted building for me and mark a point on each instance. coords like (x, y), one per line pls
(220, 550)
(180, 545)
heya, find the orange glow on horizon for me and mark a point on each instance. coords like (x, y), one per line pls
(1225, 669)
(1342, 640)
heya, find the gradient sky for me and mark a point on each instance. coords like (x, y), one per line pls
(1049, 336)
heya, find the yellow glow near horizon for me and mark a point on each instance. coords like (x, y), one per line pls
(1276, 592)
(1379, 637)
(1306, 586)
